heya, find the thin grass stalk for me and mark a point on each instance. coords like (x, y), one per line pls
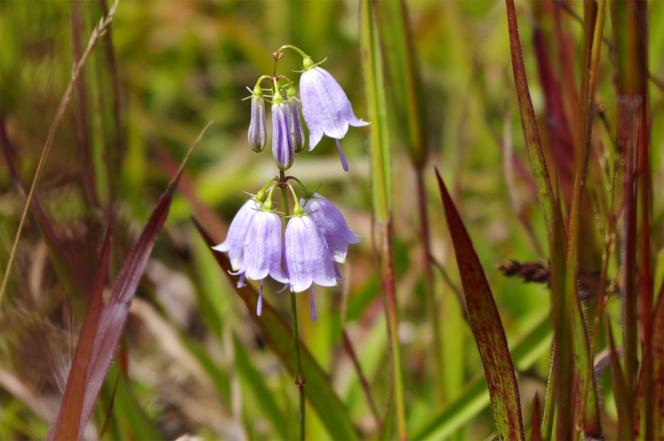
(429, 283)
(549, 203)
(366, 388)
(397, 41)
(97, 32)
(113, 155)
(645, 197)
(382, 194)
(589, 411)
(299, 379)
(630, 74)
(83, 132)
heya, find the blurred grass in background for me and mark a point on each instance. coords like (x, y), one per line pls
(193, 362)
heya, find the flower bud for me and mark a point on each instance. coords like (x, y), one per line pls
(257, 134)
(296, 130)
(282, 141)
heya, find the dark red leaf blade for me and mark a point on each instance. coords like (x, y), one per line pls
(486, 326)
(114, 313)
(68, 423)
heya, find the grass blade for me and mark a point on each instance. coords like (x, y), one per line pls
(620, 391)
(407, 104)
(658, 366)
(381, 173)
(114, 314)
(68, 423)
(279, 338)
(97, 32)
(593, 26)
(486, 326)
(536, 155)
(476, 397)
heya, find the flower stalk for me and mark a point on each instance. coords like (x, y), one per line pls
(299, 378)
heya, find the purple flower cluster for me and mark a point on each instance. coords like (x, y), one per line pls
(315, 240)
(324, 105)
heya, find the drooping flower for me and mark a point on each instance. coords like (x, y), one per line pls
(262, 248)
(257, 134)
(237, 232)
(308, 259)
(325, 107)
(331, 224)
(283, 149)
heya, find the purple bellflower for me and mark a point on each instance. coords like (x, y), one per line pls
(262, 248)
(283, 149)
(331, 225)
(257, 134)
(325, 107)
(308, 260)
(237, 232)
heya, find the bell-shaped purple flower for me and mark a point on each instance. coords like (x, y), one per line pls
(331, 224)
(283, 149)
(308, 259)
(257, 134)
(326, 108)
(237, 232)
(262, 248)
(296, 130)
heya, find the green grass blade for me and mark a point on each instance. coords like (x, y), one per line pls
(476, 397)
(381, 174)
(404, 78)
(254, 380)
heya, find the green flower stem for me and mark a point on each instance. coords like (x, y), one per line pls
(257, 86)
(299, 379)
(293, 48)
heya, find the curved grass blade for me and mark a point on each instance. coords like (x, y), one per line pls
(114, 313)
(68, 423)
(486, 326)
(476, 397)
(278, 336)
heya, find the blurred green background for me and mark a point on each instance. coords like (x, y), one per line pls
(195, 362)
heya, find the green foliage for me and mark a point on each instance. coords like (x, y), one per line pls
(509, 119)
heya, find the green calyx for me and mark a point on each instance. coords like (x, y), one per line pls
(276, 96)
(297, 207)
(267, 203)
(263, 192)
(307, 63)
(291, 92)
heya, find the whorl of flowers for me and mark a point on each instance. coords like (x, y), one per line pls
(315, 239)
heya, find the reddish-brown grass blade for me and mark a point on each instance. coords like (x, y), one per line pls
(68, 423)
(114, 314)
(536, 420)
(657, 372)
(486, 326)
